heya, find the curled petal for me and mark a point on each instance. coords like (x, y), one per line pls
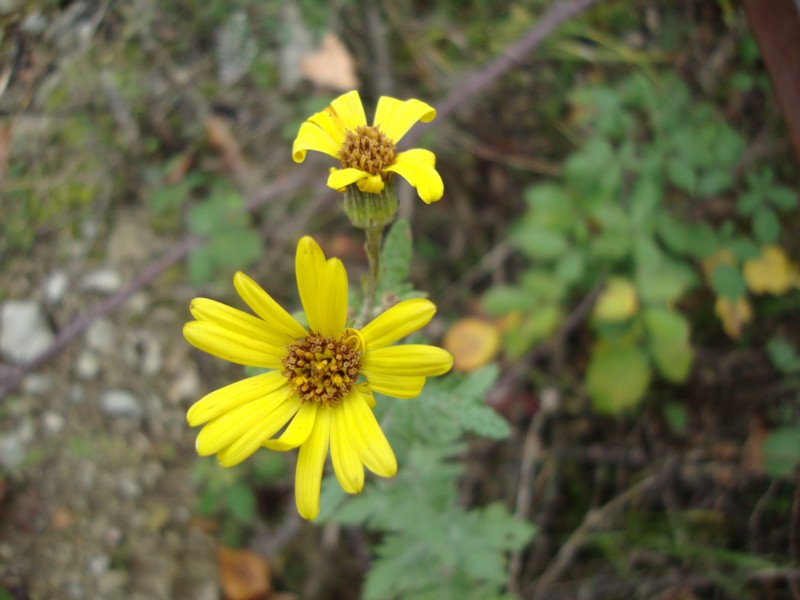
(416, 168)
(348, 110)
(312, 137)
(232, 346)
(309, 269)
(236, 320)
(231, 396)
(310, 462)
(333, 127)
(396, 117)
(339, 179)
(373, 184)
(347, 463)
(259, 430)
(298, 430)
(397, 322)
(265, 307)
(368, 438)
(407, 359)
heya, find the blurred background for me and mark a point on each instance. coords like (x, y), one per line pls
(619, 234)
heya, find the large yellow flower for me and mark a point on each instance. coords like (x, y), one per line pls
(368, 153)
(318, 391)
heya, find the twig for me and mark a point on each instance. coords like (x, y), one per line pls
(592, 520)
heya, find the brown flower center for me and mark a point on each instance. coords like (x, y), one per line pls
(368, 149)
(321, 369)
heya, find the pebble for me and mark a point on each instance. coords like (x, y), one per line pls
(104, 280)
(55, 286)
(24, 332)
(98, 564)
(121, 403)
(101, 336)
(14, 445)
(87, 365)
(52, 422)
(186, 386)
(37, 384)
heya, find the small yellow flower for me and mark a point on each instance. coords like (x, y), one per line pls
(319, 390)
(368, 153)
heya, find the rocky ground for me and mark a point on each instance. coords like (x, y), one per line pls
(96, 494)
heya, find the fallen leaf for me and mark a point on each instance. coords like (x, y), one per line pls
(473, 342)
(244, 575)
(734, 316)
(331, 66)
(618, 302)
(771, 273)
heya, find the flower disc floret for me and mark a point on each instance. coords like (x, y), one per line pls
(367, 149)
(321, 370)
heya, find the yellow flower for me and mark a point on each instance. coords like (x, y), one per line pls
(318, 391)
(368, 153)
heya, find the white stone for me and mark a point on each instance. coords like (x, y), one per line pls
(105, 280)
(121, 403)
(24, 332)
(101, 336)
(87, 365)
(52, 422)
(55, 286)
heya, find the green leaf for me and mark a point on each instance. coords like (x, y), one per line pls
(766, 226)
(714, 182)
(781, 451)
(396, 260)
(682, 175)
(240, 501)
(728, 282)
(668, 342)
(618, 376)
(235, 248)
(782, 197)
(676, 418)
(783, 355)
(536, 326)
(503, 299)
(539, 243)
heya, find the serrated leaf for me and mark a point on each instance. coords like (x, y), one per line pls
(617, 377)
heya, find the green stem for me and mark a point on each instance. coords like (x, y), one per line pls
(373, 247)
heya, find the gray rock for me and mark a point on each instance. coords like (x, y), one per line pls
(37, 384)
(87, 365)
(52, 422)
(121, 403)
(101, 336)
(24, 332)
(105, 280)
(55, 286)
(14, 445)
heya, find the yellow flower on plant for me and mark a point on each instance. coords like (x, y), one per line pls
(368, 153)
(318, 392)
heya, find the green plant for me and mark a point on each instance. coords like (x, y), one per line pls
(625, 216)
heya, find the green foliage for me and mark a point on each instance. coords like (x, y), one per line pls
(452, 552)
(230, 241)
(396, 263)
(623, 208)
(781, 451)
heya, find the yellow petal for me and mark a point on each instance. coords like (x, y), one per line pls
(333, 299)
(416, 168)
(261, 429)
(396, 117)
(236, 320)
(348, 110)
(312, 137)
(371, 185)
(310, 462)
(231, 346)
(368, 438)
(397, 386)
(229, 397)
(309, 269)
(407, 359)
(339, 179)
(346, 461)
(265, 307)
(298, 430)
(333, 127)
(230, 426)
(397, 322)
